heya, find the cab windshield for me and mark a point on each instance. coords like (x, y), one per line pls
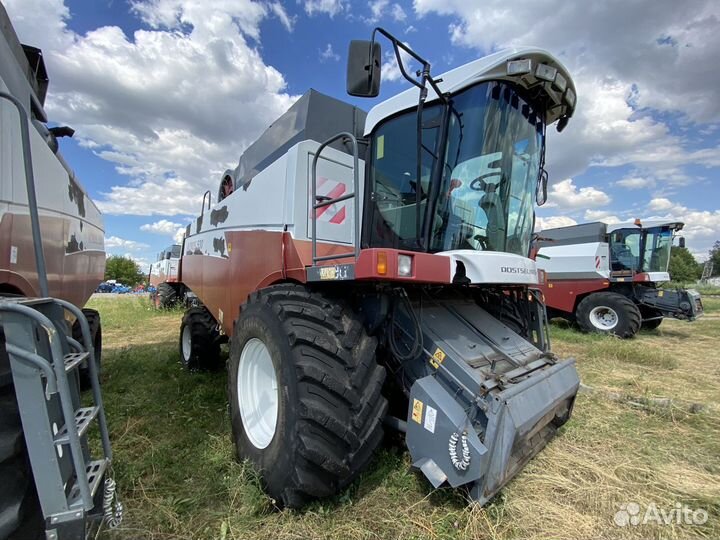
(486, 162)
(635, 250)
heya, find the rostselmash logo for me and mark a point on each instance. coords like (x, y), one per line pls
(516, 270)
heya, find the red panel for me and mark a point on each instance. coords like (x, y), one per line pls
(255, 259)
(71, 276)
(562, 295)
(426, 267)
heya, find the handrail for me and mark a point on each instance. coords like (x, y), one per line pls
(66, 404)
(36, 361)
(327, 202)
(94, 375)
(32, 197)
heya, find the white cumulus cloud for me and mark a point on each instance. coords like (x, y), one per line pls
(168, 104)
(568, 196)
(116, 243)
(328, 7)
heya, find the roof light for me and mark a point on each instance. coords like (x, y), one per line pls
(560, 83)
(545, 72)
(519, 67)
(570, 98)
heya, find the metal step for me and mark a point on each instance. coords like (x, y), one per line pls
(73, 360)
(83, 417)
(95, 472)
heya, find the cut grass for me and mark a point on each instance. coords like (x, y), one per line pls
(178, 478)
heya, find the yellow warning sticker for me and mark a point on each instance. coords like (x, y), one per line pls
(380, 143)
(661, 293)
(417, 410)
(229, 247)
(437, 358)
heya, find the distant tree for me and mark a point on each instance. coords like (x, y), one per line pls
(715, 258)
(123, 269)
(683, 266)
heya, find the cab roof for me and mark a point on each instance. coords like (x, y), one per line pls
(492, 67)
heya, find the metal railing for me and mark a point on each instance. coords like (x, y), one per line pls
(32, 197)
(320, 201)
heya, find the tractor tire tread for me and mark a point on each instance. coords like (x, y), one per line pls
(629, 313)
(340, 404)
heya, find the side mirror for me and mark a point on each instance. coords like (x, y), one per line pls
(363, 69)
(681, 241)
(541, 189)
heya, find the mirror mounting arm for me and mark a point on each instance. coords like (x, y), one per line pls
(424, 74)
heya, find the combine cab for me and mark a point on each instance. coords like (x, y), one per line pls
(371, 271)
(51, 259)
(607, 277)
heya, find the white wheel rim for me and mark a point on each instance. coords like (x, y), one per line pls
(186, 342)
(604, 318)
(257, 392)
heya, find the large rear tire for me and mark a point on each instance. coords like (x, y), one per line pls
(305, 393)
(93, 319)
(608, 313)
(199, 340)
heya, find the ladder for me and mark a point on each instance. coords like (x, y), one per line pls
(44, 362)
(707, 271)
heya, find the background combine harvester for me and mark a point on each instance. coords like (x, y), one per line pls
(51, 259)
(355, 259)
(164, 276)
(606, 277)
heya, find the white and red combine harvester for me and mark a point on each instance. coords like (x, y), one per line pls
(371, 270)
(606, 277)
(164, 276)
(52, 258)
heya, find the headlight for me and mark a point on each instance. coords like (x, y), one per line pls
(404, 265)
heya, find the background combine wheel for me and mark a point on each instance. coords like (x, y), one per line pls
(199, 340)
(654, 317)
(93, 319)
(305, 393)
(20, 515)
(608, 313)
(166, 296)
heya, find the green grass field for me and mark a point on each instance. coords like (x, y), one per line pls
(178, 479)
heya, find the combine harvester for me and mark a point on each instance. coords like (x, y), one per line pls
(51, 259)
(353, 259)
(163, 276)
(606, 277)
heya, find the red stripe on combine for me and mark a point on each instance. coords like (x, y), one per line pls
(339, 217)
(334, 193)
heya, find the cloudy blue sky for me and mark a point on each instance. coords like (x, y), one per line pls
(165, 94)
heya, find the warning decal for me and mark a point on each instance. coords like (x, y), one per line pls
(430, 416)
(417, 410)
(437, 358)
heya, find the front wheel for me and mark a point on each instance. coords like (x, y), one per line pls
(608, 313)
(305, 393)
(199, 340)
